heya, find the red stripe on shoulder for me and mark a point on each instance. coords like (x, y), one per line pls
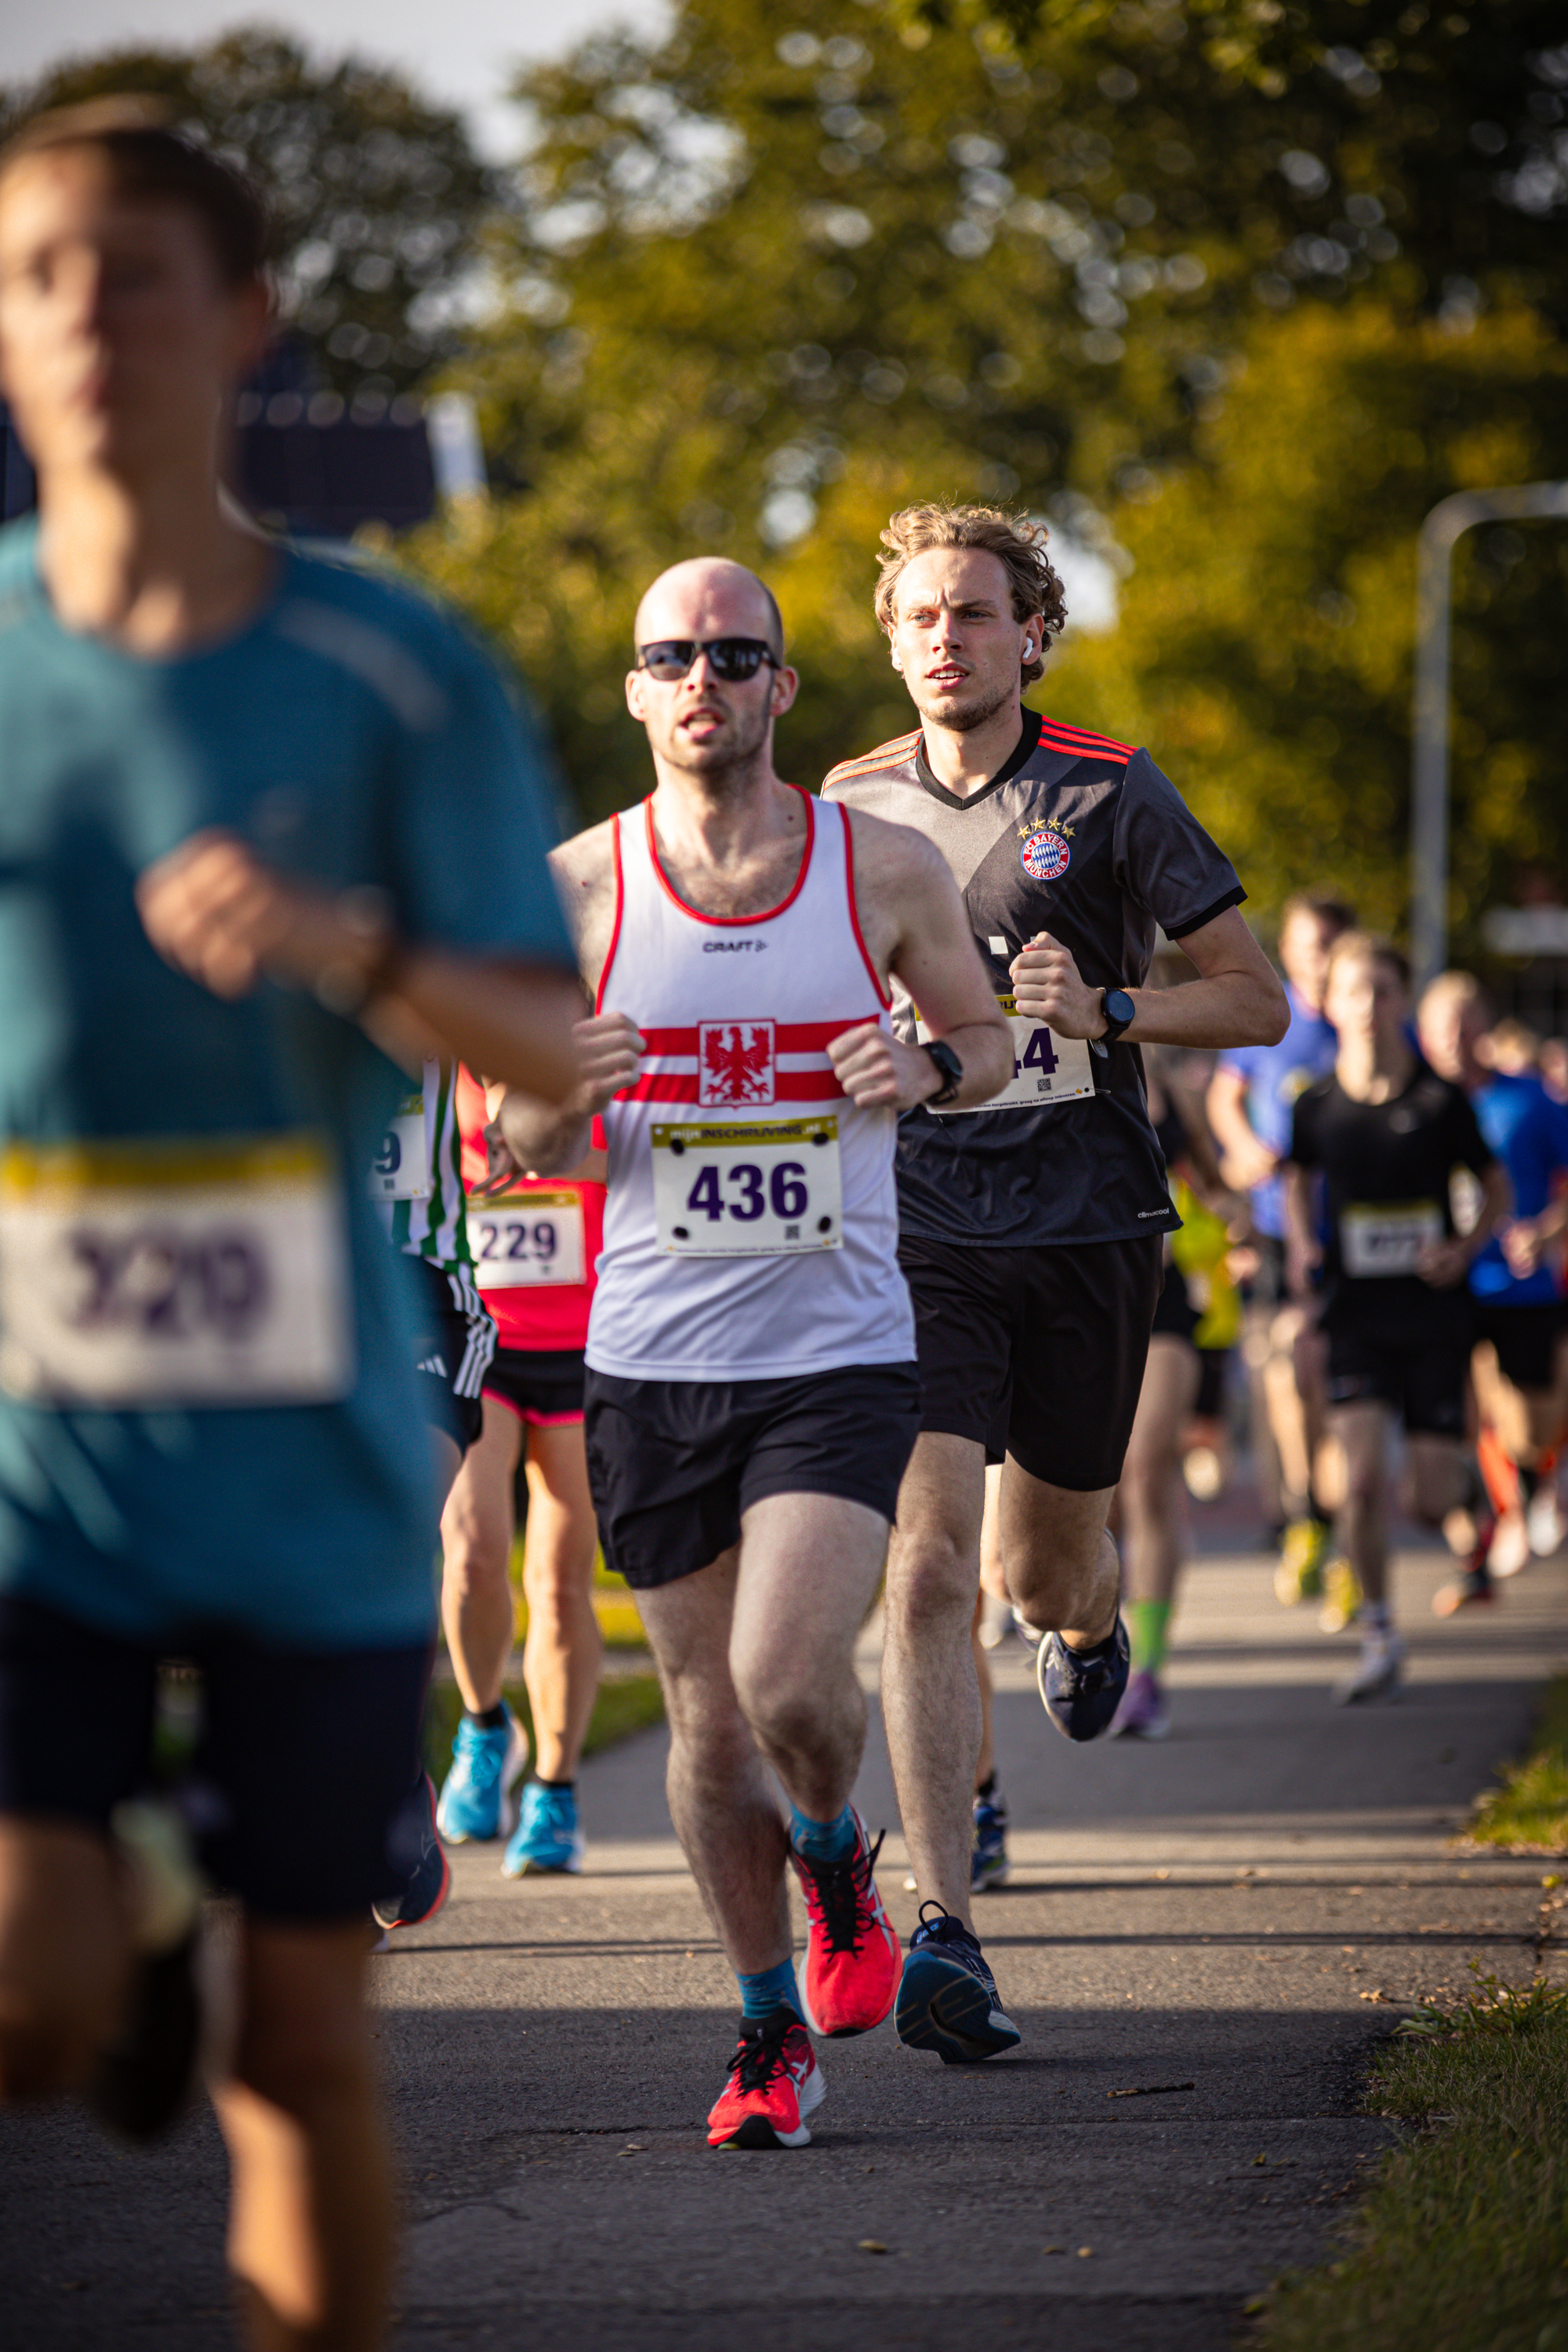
(886, 755)
(1064, 736)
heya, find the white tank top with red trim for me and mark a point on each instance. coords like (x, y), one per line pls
(751, 1227)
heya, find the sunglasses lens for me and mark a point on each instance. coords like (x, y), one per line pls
(735, 659)
(669, 659)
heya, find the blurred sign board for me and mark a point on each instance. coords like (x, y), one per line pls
(1526, 930)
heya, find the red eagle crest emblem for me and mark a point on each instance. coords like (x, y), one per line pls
(735, 1063)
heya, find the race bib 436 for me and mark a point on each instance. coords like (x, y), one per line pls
(147, 1273)
(753, 1190)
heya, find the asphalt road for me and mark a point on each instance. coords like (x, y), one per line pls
(1239, 1912)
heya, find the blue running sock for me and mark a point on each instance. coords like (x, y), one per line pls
(769, 1990)
(823, 1841)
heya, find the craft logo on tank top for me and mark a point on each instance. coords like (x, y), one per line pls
(735, 1063)
(1045, 856)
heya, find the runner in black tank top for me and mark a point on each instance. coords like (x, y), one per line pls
(1032, 1228)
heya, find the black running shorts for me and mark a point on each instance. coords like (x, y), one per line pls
(1424, 1383)
(302, 1771)
(456, 1342)
(543, 1386)
(673, 1464)
(1038, 1351)
(1525, 1339)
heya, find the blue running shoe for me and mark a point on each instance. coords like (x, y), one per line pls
(477, 1796)
(547, 1838)
(988, 1865)
(947, 1996)
(429, 1879)
(1081, 1695)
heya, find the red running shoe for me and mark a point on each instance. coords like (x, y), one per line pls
(853, 1956)
(774, 2083)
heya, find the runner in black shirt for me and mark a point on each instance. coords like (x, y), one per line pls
(1032, 1227)
(1387, 1134)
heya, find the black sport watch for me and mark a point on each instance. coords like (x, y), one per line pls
(1120, 1014)
(951, 1070)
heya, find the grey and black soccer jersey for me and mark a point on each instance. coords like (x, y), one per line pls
(1084, 838)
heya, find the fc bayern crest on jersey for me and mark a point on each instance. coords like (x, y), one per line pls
(1045, 856)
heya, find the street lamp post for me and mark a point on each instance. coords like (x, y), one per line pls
(1443, 528)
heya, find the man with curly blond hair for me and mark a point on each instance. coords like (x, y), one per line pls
(1032, 1227)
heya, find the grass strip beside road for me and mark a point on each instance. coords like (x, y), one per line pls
(1462, 2245)
(625, 1704)
(1529, 1812)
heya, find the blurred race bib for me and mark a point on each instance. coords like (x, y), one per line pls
(151, 1272)
(1387, 1237)
(526, 1239)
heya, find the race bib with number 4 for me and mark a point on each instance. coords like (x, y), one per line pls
(525, 1239)
(756, 1191)
(1045, 1068)
(151, 1273)
(1389, 1238)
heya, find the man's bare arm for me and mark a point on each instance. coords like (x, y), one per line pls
(1237, 999)
(547, 1137)
(916, 927)
(215, 912)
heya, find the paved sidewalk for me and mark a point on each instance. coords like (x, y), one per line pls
(1239, 1911)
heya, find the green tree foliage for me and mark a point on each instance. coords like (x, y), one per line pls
(1264, 644)
(376, 195)
(790, 269)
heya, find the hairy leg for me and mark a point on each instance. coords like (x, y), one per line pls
(809, 1575)
(724, 1811)
(310, 2228)
(1363, 1433)
(561, 1655)
(1288, 1418)
(930, 1701)
(477, 1531)
(1061, 1563)
(1153, 1497)
(65, 1955)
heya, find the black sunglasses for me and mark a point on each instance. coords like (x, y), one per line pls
(731, 659)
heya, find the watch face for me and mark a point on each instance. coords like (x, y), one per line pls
(1119, 1007)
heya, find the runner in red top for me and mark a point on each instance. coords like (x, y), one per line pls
(535, 1242)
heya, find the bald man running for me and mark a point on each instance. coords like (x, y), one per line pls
(752, 1398)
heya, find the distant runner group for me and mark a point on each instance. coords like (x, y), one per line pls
(834, 1250)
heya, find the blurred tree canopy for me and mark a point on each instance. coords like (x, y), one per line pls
(376, 197)
(1233, 297)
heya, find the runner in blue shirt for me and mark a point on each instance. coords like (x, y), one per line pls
(1251, 1101)
(256, 808)
(1517, 1309)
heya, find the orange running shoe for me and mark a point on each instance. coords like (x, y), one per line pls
(853, 1956)
(774, 2083)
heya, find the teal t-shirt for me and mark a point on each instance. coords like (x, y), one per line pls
(352, 735)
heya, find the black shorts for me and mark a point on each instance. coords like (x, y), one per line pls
(301, 1769)
(543, 1386)
(1424, 1383)
(1037, 1351)
(457, 1339)
(1525, 1339)
(674, 1464)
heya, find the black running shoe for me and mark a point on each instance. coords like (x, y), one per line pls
(1082, 1690)
(429, 1882)
(947, 1995)
(145, 2081)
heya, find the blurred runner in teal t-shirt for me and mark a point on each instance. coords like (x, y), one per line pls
(254, 808)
